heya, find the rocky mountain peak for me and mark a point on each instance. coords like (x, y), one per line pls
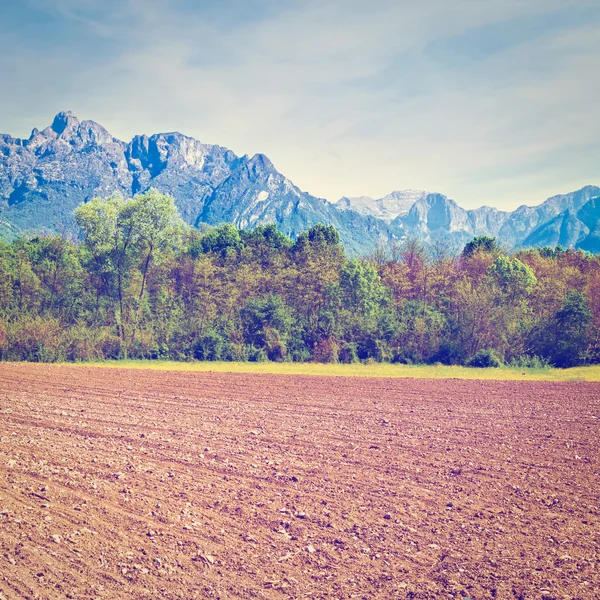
(44, 178)
(64, 121)
(260, 163)
(387, 208)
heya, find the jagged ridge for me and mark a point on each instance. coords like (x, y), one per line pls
(45, 177)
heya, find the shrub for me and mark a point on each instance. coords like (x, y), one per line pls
(109, 345)
(209, 346)
(81, 343)
(449, 353)
(374, 348)
(234, 351)
(529, 362)
(257, 354)
(348, 353)
(274, 345)
(326, 351)
(35, 339)
(485, 359)
(160, 351)
(3, 339)
(405, 357)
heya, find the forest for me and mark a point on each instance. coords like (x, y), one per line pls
(139, 283)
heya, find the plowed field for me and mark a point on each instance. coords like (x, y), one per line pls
(117, 483)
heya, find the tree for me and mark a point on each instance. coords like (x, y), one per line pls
(125, 236)
(482, 243)
(572, 327)
(224, 239)
(317, 236)
(513, 277)
(477, 256)
(267, 323)
(360, 287)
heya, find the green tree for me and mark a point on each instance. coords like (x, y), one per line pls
(124, 238)
(572, 330)
(483, 243)
(360, 287)
(513, 277)
(318, 235)
(224, 240)
(267, 322)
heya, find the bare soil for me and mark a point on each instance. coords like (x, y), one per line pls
(119, 483)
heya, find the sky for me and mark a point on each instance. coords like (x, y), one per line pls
(491, 102)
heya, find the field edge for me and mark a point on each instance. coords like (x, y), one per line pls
(377, 370)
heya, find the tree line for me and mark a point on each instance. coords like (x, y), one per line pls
(139, 283)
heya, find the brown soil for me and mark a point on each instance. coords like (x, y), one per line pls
(120, 483)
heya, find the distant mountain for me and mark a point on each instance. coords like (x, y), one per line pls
(570, 228)
(45, 177)
(387, 208)
(435, 216)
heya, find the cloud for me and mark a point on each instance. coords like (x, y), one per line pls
(486, 100)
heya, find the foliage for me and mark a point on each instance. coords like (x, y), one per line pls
(513, 277)
(485, 359)
(572, 327)
(528, 362)
(140, 284)
(483, 244)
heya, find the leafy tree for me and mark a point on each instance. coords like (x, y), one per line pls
(572, 325)
(267, 235)
(513, 277)
(124, 237)
(224, 239)
(318, 235)
(267, 322)
(360, 287)
(420, 330)
(483, 244)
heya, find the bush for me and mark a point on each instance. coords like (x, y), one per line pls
(143, 346)
(405, 357)
(34, 339)
(109, 345)
(257, 354)
(81, 343)
(529, 362)
(374, 348)
(3, 339)
(160, 352)
(209, 346)
(234, 351)
(449, 353)
(274, 345)
(348, 353)
(485, 359)
(326, 351)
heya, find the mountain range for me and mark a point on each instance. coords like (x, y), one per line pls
(45, 177)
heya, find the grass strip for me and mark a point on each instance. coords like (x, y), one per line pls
(588, 373)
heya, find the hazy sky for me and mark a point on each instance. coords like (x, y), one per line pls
(488, 101)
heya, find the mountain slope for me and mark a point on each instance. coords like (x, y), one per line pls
(44, 178)
(523, 221)
(435, 216)
(571, 228)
